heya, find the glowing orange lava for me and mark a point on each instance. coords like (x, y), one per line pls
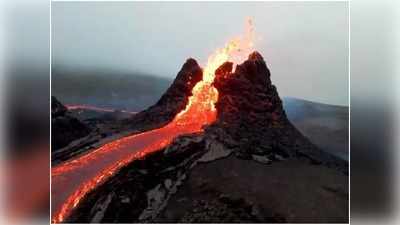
(72, 180)
(200, 109)
(95, 108)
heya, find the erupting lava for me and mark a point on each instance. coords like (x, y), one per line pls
(200, 109)
(72, 180)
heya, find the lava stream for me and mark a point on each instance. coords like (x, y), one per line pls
(72, 180)
(96, 108)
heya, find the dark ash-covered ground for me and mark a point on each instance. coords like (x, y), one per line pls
(292, 191)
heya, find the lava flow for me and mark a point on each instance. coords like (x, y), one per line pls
(72, 180)
(95, 108)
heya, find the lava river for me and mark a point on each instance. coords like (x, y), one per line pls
(96, 108)
(73, 179)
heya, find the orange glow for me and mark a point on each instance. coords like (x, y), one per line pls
(98, 165)
(95, 108)
(201, 107)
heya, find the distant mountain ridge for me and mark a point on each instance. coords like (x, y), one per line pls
(132, 91)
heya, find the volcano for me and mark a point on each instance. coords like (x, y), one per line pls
(233, 157)
(250, 122)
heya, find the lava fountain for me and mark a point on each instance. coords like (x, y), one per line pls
(73, 179)
(200, 109)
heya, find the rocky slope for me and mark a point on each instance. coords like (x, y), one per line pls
(251, 165)
(172, 101)
(65, 128)
(326, 126)
(252, 121)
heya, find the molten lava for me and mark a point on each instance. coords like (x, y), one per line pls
(200, 109)
(95, 108)
(72, 180)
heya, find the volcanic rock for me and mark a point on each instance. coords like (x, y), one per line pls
(57, 109)
(65, 128)
(250, 112)
(173, 100)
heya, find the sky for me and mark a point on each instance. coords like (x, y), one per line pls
(305, 44)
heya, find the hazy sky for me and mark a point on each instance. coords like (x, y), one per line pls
(305, 44)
